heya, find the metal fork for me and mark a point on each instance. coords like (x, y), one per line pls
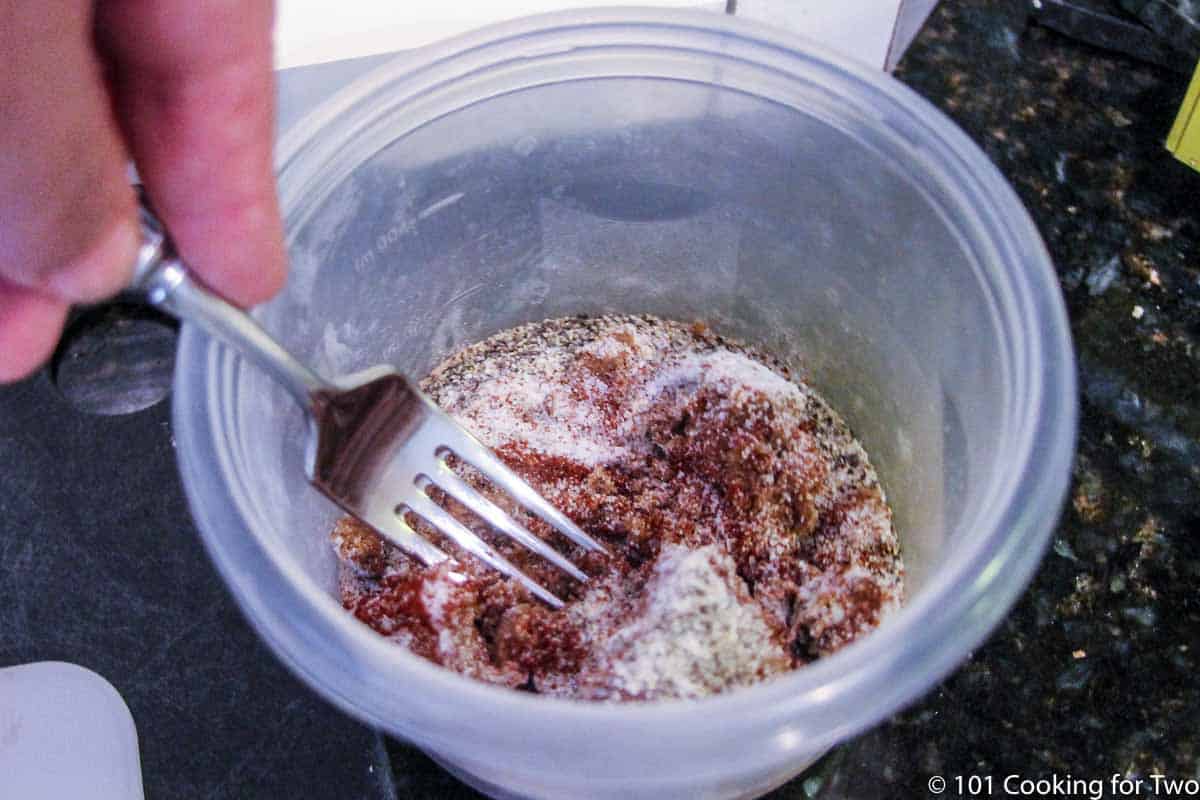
(376, 444)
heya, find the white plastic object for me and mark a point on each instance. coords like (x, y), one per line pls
(312, 32)
(912, 16)
(875, 32)
(65, 732)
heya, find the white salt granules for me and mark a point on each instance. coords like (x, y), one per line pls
(699, 633)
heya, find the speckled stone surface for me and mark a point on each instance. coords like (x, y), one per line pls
(1095, 671)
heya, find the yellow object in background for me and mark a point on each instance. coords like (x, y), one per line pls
(1184, 139)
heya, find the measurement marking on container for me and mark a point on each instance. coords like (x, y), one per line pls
(365, 260)
(440, 204)
(463, 294)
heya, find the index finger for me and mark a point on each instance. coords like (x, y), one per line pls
(193, 86)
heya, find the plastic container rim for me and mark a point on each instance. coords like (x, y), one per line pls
(969, 596)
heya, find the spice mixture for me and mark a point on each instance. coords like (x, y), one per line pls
(747, 532)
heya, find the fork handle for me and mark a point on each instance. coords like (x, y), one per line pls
(167, 283)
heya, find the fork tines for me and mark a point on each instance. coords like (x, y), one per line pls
(474, 454)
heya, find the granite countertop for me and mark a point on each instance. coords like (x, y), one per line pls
(1092, 674)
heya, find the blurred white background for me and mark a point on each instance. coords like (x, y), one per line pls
(316, 31)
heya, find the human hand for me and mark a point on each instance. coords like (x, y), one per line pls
(185, 89)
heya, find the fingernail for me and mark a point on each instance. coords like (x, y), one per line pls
(102, 272)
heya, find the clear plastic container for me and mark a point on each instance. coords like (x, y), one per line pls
(696, 167)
